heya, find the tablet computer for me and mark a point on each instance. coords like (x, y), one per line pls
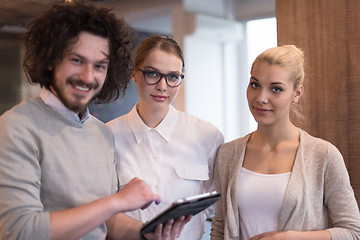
(183, 207)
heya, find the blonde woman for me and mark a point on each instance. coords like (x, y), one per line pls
(279, 182)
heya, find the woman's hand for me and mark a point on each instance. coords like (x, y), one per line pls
(170, 231)
(295, 235)
(271, 236)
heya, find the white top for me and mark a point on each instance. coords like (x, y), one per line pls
(176, 159)
(259, 198)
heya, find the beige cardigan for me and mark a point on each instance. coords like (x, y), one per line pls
(319, 195)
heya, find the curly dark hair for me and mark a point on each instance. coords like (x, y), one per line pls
(49, 35)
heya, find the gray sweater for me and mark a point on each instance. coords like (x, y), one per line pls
(318, 196)
(49, 163)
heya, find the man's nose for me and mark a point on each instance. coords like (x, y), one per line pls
(86, 74)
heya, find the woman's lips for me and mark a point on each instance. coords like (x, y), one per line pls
(262, 110)
(159, 97)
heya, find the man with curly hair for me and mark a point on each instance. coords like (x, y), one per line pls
(57, 169)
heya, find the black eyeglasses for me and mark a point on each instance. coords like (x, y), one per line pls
(153, 77)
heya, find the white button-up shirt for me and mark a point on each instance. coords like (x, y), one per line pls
(176, 159)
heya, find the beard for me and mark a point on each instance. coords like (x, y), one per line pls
(75, 102)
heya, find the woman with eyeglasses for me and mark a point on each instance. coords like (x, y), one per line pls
(279, 182)
(172, 151)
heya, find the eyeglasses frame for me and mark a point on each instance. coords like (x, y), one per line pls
(161, 76)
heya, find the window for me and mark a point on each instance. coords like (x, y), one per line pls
(261, 35)
(219, 55)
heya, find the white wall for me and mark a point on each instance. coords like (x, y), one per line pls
(213, 82)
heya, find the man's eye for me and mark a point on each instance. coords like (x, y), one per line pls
(75, 60)
(101, 66)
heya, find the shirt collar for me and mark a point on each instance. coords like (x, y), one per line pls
(51, 100)
(165, 128)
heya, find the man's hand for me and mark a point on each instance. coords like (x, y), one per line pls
(136, 194)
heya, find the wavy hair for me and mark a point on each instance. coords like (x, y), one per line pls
(49, 35)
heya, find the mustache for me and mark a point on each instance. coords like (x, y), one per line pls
(78, 82)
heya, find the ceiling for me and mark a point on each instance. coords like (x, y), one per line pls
(19, 12)
(15, 14)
